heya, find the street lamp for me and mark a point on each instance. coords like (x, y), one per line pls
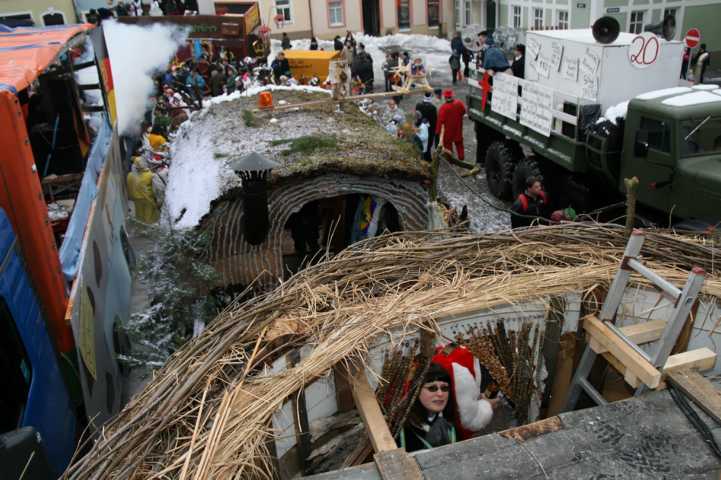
(254, 170)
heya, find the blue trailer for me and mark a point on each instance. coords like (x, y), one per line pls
(38, 432)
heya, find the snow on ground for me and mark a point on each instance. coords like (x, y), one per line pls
(197, 175)
(435, 51)
(203, 146)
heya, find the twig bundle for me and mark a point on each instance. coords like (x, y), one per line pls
(207, 413)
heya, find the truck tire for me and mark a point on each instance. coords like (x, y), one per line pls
(499, 170)
(578, 194)
(528, 167)
(485, 136)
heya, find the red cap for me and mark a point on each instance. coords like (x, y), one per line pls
(448, 93)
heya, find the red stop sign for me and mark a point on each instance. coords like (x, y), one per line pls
(693, 37)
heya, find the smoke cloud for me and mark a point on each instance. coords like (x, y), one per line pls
(136, 54)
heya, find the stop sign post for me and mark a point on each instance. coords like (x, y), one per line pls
(693, 37)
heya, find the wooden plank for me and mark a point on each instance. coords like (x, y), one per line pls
(533, 430)
(397, 465)
(698, 389)
(369, 410)
(636, 365)
(699, 359)
(641, 332)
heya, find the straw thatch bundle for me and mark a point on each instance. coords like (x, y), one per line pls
(207, 413)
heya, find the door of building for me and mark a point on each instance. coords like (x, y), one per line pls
(371, 17)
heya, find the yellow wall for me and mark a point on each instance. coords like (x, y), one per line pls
(37, 8)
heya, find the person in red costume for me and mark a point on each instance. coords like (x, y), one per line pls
(472, 411)
(450, 122)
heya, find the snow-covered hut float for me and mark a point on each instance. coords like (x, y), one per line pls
(340, 178)
(312, 376)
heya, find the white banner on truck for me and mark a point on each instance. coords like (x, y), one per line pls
(537, 107)
(505, 95)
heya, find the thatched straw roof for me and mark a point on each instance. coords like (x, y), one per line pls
(315, 139)
(206, 414)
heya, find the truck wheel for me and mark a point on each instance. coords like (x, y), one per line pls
(528, 167)
(485, 137)
(577, 195)
(499, 170)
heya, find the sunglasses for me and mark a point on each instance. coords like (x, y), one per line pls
(434, 388)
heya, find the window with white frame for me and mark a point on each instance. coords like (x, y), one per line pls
(537, 18)
(434, 12)
(282, 7)
(467, 12)
(404, 14)
(335, 13)
(563, 20)
(516, 16)
(636, 24)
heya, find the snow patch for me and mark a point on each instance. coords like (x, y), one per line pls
(434, 51)
(705, 86)
(717, 92)
(203, 146)
(614, 112)
(663, 93)
(690, 99)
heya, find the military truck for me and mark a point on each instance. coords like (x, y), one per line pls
(551, 124)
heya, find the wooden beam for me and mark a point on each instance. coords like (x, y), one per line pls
(636, 366)
(699, 359)
(397, 465)
(641, 332)
(369, 410)
(698, 389)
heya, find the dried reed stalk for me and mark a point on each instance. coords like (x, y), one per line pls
(207, 412)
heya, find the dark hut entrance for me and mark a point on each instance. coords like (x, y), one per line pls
(332, 224)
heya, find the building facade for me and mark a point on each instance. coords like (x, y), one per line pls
(37, 13)
(327, 18)
(632, 15)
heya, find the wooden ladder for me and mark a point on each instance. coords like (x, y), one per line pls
(620, 345)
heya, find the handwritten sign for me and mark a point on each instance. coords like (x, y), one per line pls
(644, 50)
(588, 73)
(570, 69)
(505, 95)
(543, 66)
(537, 107)
(556, 56)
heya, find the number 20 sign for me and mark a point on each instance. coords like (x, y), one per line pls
(644, 50)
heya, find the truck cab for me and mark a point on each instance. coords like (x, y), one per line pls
(672, 143)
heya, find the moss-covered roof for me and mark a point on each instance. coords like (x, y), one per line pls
(316, 139)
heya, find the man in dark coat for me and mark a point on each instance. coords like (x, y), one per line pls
(518, 66)
(337, 43)
(531, 205)
(362, 67)
(285, 42)
(428, 111)
(280, 67)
